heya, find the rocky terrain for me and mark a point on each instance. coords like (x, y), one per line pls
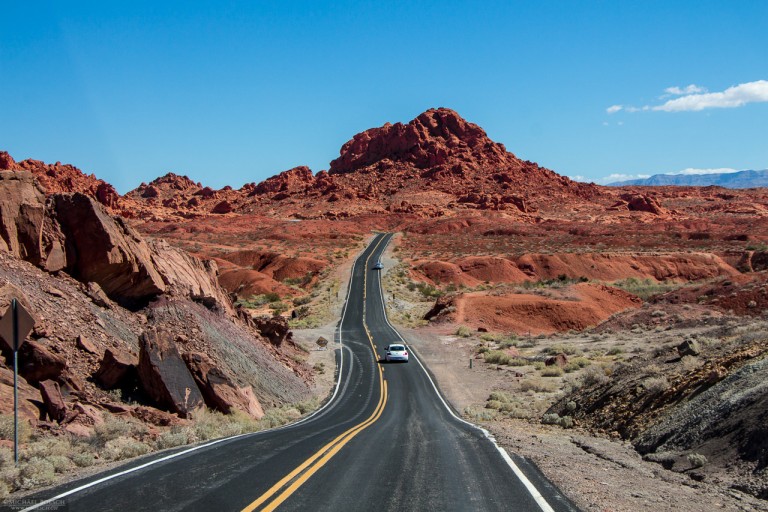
(567, 293)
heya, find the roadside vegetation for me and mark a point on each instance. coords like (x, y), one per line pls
(45, 458)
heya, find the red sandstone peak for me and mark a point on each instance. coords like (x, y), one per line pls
(435, 137)
(292, 180)
(58, 177)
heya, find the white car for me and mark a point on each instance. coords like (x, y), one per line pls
(396, 352)
(378, 266)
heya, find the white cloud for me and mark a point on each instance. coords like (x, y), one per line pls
(612, 178)
(693, 98)
(690, 170)
(690, 89)
(736, 96)
(578, 177)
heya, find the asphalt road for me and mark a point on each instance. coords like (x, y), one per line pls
(385, 441)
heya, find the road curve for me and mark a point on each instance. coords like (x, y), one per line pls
(385, 441)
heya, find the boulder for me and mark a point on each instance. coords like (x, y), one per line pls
(81, 419)
(560, 360)
(86, 345)
(164, 376)
(689, 347)
(643, 203)
(37, 363)
(97, 295)
(274, 328)
(117, 369)
(218, 390)
(53, 401)
(30, 401)
(223, 207)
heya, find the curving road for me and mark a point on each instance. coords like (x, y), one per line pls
(385, 441)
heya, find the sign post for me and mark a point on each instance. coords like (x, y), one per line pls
(15, 325)
(15, 312)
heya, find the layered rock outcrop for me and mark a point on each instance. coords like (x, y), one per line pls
(164, 376)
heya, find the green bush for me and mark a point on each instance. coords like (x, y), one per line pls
(552, 371)
(496, 357)
(463, 331)
(696, 460)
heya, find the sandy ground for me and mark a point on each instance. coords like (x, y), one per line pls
(597, 474)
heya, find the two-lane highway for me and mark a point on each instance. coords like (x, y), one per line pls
(385, 441)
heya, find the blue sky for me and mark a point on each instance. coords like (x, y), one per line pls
(233, 92)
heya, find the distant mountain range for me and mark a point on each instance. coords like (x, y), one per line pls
(740, 179)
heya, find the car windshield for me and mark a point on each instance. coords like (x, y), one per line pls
(396, 348)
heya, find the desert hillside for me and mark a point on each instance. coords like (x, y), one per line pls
(616, 311)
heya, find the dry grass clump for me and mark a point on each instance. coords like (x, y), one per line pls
(655, 385)
(538, 385)
(594, 375)
(502, 402)
(6, 428)
(552, 371)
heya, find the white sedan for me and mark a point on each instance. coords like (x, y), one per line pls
(395, 352)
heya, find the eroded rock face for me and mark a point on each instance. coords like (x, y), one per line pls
(219, 391)
(164, 376)
(274, 328)
(106, 250)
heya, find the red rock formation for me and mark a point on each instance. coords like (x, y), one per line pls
(643, 203)
(53, 401)
(274, 328)
(116, 369)
(218, 389)
(164, 376)
(58, 178)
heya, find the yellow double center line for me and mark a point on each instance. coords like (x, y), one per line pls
(309, 467)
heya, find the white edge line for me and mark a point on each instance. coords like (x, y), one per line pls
(534, 492)
(206, 445)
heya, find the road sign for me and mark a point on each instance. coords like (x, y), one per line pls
(25, 325)
(321, 342)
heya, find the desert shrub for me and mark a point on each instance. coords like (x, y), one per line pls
(61, 464)
(6, 428)
(114, 428)
(560, 349)
(539, 365)
(551, 419)
(496, 357)
(82, 459)
(614, 351)
(124, 448)
(566, 422)
(518, 361)
(278, 307)
(476, 414)
(45, 447)
(301, 301)
(536, 384)
(655, 385)
(500, 396)
(463, 331)
(173, 438)
(696, 460)
(594, 375)
(489, 336)
(570, 406)
(571, 367)
(551, 371)
(35, 473)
